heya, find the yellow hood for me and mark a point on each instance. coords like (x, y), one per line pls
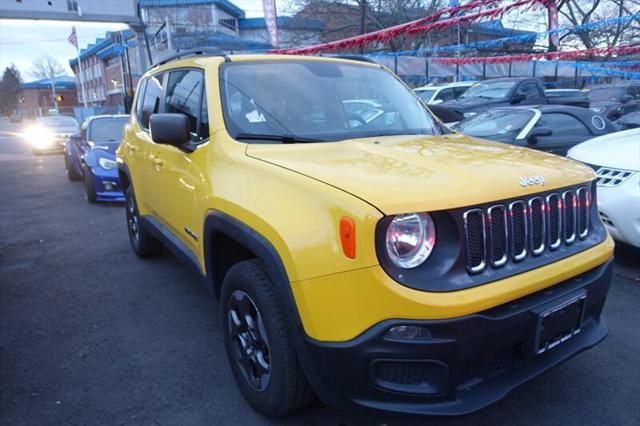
(403, 174)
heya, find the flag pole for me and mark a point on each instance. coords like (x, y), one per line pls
(84, 95)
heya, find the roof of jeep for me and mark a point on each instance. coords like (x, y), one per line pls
(202, 60)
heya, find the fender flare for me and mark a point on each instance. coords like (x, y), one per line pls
(263, 250)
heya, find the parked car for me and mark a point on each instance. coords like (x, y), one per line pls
(615, 100)
(572, 97)
(392, 266)
(550, 128)
(49, 134)
(498, 92)
(435, 94)
(446, 115)
(630, 120)
(90, 155)
(616, 161)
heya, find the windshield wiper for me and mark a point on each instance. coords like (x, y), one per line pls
(278, 138)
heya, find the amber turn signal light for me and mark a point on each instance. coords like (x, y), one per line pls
(348, 237)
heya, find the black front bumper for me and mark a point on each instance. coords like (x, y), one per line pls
(467, 364)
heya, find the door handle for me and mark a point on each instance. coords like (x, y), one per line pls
(132, 147)
(158, 162)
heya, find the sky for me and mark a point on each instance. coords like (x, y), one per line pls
(21, 41)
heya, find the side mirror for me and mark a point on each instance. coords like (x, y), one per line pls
(75, 138)
(170, 129)
(517, 98)
(626, 98)
(538, 132)
(436, 102)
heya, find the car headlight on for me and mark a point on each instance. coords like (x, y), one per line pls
(39, 137)
(107, 164)
(469, 114)
(410, 239)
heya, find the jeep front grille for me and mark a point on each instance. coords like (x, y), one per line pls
(515, 229)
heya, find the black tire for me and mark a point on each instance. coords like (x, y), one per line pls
(72, 174)
(89, 187)
(285, 389)
(142, 242)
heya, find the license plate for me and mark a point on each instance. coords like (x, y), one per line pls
(560, 323)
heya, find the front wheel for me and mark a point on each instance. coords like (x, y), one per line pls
(142, 242)
(89, 187)
(259, 348)
(72, 174)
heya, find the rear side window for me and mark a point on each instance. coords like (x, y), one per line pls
(152, 99)
(185, 90)
(529, 90)
(563, 125)
(445, 95)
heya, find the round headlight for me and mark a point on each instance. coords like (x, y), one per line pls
(410, 239)
(107, 164)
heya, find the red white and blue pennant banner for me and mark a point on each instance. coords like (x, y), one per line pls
(429, 23)
(572, 55)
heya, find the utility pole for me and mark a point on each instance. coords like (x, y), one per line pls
(52, 79)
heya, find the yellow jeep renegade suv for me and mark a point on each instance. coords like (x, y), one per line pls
(361, 251)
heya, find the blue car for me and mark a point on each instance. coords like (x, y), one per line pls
(90, 156)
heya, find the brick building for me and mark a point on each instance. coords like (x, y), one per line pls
(37, 98)
(105, 70)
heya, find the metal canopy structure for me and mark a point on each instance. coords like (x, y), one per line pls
(125, 12)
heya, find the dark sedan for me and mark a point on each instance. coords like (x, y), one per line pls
(615, 100)
(551, 128)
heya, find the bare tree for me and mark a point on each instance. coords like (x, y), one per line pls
(343, 18)
(580, 12)
(46, 67)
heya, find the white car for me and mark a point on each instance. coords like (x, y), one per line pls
(616, 160)
(438, 94)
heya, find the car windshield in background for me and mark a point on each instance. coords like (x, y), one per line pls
(500, 122)
(425, 95)
(317, 101)
(57, 121)
(604, 94)
(106, 130)
(489, 90)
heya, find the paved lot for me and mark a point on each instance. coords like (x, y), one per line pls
(90, 334)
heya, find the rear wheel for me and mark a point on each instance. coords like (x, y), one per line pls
(89, 187)
(259, 348)
(143, 243)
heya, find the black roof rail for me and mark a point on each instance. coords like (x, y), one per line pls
(200, 51)
(355, 58)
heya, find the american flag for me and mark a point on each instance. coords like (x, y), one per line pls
(73, 38)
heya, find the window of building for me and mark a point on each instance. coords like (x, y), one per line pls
(228, 23)
(72, 5)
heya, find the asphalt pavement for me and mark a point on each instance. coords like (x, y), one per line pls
(92, 335)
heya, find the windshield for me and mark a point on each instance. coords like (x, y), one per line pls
(489, 90)
(606, 94)
(425, 95)
(107, 129)
(499, 122)
(317, 101)
(57, 121)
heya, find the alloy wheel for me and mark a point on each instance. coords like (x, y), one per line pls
(249, 341)
(132, 219)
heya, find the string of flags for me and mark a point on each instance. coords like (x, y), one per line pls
(424, 25)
